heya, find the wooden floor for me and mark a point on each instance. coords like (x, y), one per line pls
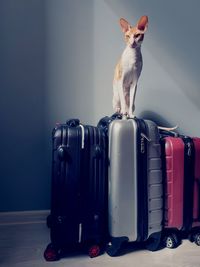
(22, 245)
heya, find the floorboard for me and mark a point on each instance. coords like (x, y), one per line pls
(22, 245)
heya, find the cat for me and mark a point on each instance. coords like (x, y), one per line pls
(129, 67)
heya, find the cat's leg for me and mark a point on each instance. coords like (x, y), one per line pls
(116, 99)
(127, 100)
(133, 91)
(124, 100)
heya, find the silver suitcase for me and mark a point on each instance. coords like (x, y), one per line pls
(135, 184)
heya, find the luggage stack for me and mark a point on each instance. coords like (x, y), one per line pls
(122, 181)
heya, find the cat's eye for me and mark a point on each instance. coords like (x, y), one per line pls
(136, 35)
(127, 36)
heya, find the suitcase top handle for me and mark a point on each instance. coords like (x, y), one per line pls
(73, 122)
(164, 133)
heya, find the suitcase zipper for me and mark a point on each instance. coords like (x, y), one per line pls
(142, 143)
(188, 183)
(142, 182)
(189, 149)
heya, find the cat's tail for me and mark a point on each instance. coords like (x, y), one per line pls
(168, 129)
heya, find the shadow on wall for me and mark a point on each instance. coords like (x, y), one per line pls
(23, 173)
(174, 38)
(69, 61)
(157, 118)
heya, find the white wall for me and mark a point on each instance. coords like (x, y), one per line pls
(168, 89)
(24, 177)
(69, 60)
(85, 41)
(57, 62)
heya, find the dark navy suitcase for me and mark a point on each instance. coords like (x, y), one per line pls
(79, 190)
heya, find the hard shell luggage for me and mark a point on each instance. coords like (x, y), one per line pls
(79, 190)
(194, 235)
(135, 183)
(178, 167)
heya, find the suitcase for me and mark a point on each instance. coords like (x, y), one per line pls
(135, 197)
(178, 167)
(194, 235)
(79, 201)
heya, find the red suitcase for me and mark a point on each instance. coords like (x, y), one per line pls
(178, 163)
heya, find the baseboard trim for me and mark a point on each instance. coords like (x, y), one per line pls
(23, 217)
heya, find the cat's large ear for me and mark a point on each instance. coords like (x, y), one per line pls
(124, 25)
(142, 24)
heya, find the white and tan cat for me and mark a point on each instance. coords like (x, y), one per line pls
(129, 67)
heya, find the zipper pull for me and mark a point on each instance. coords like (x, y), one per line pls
(189, 151)
(142, 147)
(144, 136)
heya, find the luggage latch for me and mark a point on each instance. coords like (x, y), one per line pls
(61, 219)
(62, 152)
(97, 151)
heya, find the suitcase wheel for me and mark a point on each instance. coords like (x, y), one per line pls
(94, 251)
(153, 244)
(171, 241)
(115, 246)
(113, 250)
(197, 238)
(191, 237)
(49, 221)
(51, 254)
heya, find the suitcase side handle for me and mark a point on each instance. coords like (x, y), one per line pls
(73, 122)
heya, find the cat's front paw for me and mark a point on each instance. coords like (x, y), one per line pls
(124, 115)
(118, 110)
(131, 116)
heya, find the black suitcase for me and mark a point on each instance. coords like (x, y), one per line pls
(78, 217)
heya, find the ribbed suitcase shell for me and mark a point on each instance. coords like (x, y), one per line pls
(179, 182)
(126, 204)
(79, 186)
(174, 182)
(181, 167)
